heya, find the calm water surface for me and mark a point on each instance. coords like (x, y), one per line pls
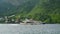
(29, 29)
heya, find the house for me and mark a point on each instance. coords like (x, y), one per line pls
(30, 22)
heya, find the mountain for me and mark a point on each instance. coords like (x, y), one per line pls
(43, 10)
(8, 7)
(47, 11)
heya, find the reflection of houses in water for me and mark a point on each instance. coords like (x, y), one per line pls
(31, 22)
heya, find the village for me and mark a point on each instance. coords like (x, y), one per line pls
(26, 21)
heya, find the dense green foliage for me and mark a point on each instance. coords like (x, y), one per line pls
(47, 11)
(43, 10)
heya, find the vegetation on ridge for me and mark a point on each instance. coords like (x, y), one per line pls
(43, 10)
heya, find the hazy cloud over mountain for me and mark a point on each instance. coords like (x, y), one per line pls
(13, 2)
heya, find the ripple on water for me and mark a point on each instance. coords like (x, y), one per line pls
(29, 29)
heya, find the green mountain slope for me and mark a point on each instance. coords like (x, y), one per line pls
(43, 10)
(47, 11)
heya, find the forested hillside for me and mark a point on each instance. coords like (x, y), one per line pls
(42, 10)
(47, 11)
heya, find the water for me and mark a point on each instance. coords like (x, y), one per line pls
(29, 29)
